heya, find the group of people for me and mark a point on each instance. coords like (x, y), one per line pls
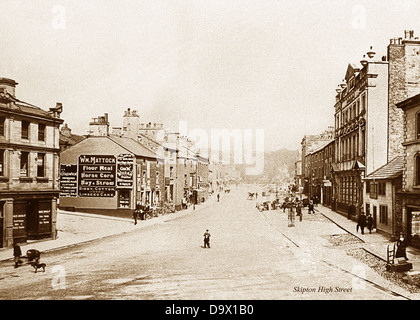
(141, 210)
(363, 222)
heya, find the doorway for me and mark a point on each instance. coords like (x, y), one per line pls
(32, 219)
(374, 216)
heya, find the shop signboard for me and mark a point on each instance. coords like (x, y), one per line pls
(97, 175)
(44, 217)
(68, 180)
(19, 219)
(125, 171)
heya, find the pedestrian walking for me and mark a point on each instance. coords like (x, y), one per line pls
(299, 211)
(218, 197)
(17, 252)
(361, 222)
(135, 216)
(311, 207)
(369, 222)
(207, 239)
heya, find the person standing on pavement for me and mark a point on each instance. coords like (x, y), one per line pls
(401, 248)
(361, 222)
(17, 252)
(369, 222)
(299, 210)
(311, 207)
(207, 239)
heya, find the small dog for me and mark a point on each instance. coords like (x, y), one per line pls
(38, 265)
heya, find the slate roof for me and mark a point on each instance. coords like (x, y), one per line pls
(24, 107)
(391, 170)
(134, 147)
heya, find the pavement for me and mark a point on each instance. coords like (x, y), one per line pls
(76, 228)
(376, 243)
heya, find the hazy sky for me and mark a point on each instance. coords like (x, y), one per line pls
(271, 65)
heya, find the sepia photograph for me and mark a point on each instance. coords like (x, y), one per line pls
(209, 155)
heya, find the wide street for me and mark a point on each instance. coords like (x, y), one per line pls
(253, 255)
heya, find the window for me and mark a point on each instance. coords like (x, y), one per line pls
(2, 162)
(417, 166)
(418, 125)
(374, 191)
(41, 132)
(24, 161)
(363, 106)
(382, 189)
(2, 121)
(144, 177)
(383, 215)
(367, 187)
(25, 130)
(40, 165)
(157, 178)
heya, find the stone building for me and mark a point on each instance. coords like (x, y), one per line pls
(181, 164)
(381, 198)
(320, 163)
(67, 138)
(410, 190)
(110, 174)
(29, 155)
(308, 144)
(404, 75)
(361, 130)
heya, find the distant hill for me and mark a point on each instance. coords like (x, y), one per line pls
(279, 167)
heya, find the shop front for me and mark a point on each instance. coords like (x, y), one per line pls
(27, 217)
(411, 218)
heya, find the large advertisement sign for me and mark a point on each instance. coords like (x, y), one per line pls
(68, 180)
(97, 175)
(125, 171)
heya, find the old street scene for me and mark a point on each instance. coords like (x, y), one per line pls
(212, 150)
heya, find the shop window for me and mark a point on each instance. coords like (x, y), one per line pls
(415, 224)
(41, 132)
(383, 215)
(24, 164)
(25, 130)
(40, 165)
(124, 199)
